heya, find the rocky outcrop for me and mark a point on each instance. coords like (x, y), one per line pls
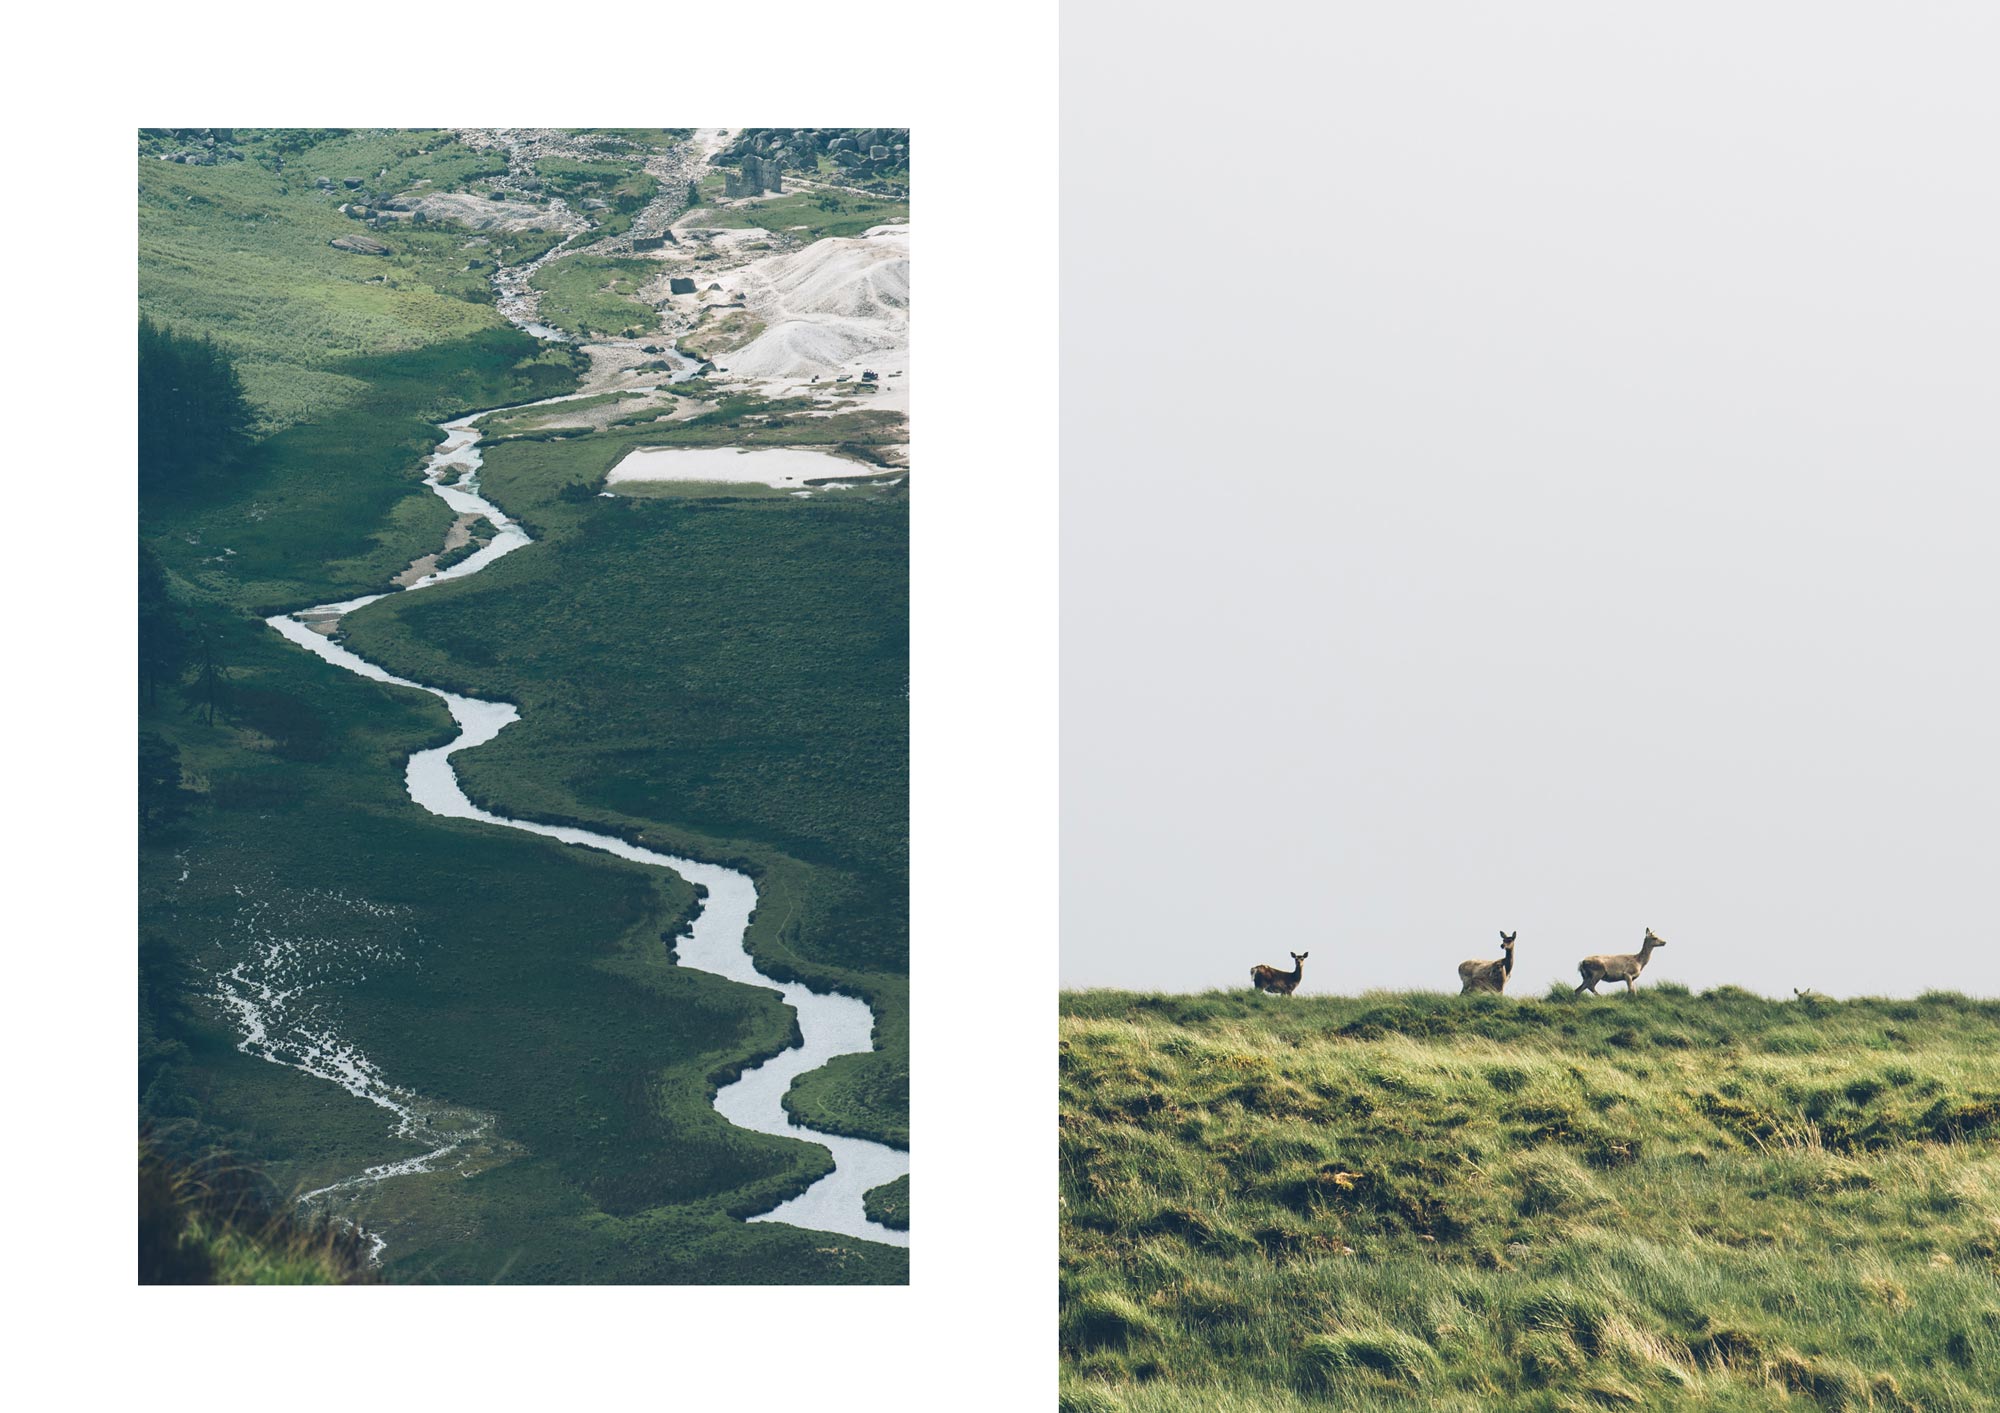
(859, 152)
(359, 245)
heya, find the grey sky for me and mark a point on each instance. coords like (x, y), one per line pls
(1531, 467)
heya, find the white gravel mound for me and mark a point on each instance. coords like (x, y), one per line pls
(827, 308)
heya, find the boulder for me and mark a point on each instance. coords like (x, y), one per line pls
(359, 244)
(877, 152)
(680, 285)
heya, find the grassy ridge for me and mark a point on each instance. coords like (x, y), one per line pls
(1421, 1201)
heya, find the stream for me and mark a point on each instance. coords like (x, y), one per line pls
(830, 1024)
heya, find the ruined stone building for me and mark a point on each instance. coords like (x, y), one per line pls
(759, 175)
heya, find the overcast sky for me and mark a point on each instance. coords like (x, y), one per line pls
(1531, 467)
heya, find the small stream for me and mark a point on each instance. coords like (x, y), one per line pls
(830, 1024)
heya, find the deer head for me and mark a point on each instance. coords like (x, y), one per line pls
(1507, 941)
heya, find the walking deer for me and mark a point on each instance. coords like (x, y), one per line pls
(1279, 983)
(1488, 976)
(1622, 966)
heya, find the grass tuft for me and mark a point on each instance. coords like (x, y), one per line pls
(1326, 1360)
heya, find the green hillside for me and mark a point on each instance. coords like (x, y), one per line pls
(1419, 1201)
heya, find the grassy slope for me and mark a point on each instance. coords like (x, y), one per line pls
(725, 675)
(349, 360)
(1432, 1202)
(588, 295)
(847, 215)
(603, 1078)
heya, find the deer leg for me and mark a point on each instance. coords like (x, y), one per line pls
(1631, 989)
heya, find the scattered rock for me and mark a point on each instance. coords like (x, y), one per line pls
(360, 245)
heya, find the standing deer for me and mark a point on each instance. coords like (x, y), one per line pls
(1279, 983)
(1624, 966)
(1488, 976)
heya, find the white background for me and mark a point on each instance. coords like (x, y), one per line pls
(1531, 466)
(975, 1329)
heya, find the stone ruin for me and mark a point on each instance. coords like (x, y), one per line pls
(763, 153)
(759, 175)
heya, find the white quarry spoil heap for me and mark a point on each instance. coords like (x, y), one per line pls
(828, 307)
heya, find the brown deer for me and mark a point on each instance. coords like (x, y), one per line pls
(1488, 976)
(1624, 966)
(1279, 983)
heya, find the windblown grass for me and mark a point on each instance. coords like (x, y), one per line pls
(1424, 1201)
(214, 1224)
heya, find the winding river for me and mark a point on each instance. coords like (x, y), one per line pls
(830, 1024)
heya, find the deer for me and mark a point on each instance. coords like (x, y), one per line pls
(1279, 983)
(1624, 966)
(1488, 976)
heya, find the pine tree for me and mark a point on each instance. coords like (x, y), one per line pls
(193, 417)
(162, 638)
(210, 681)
